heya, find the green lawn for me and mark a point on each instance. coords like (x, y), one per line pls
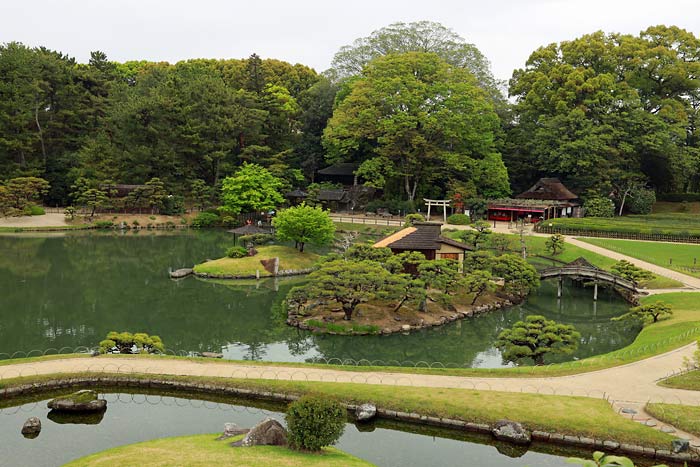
(677, 256)
(538, 258)
(690, 381)
(684, 417)
(662, 207)
(666, 223)
(290, 258)
(577, 416)
(205, 451)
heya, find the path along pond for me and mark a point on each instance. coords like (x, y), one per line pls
(66, 290)
(131, 418)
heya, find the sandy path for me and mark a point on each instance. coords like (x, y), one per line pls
(47, 220)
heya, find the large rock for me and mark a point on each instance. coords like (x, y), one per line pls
(81, 401)
(31, 428)
(513, 432)
(680, 445)
(230, 430)
(365, 412)
(269, 432)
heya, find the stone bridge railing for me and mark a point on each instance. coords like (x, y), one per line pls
(595, 275)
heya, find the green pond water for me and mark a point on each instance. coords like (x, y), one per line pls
(61, 291)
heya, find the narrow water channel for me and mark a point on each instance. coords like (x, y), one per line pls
(67, 290)
(131, 418)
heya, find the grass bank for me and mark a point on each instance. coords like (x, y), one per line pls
(290, 258)
(677, 256)
(205, 451)
(670, 224)
(684, 417)
(576, 416)
(690, 381)
(540, 257)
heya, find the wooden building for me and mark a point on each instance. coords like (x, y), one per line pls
(546, 199)
(425, 238)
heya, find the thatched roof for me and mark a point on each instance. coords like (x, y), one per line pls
(581, 262)
(421, 236)
(343, 168)
(248, 229)
(548, 189)
(296, 194)
(333, 195)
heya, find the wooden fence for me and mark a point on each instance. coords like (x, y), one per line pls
(621, 235)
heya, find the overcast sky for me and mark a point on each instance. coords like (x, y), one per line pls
(311, 31)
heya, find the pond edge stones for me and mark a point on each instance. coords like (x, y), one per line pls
(268, 432)
(81, 401)
(513, 432)
(365, 412)
(31, 428)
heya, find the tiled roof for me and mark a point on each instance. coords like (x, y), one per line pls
(548, 189)
(421, 236)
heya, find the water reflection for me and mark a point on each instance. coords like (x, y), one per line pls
(71, 290)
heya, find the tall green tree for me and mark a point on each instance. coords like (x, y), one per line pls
(304, 224)
(601, 108)
(415, 119)
(251, 189)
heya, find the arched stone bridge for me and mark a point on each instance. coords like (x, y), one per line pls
(587, 273)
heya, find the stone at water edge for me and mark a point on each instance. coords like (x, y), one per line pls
(680, 445)
(212, 355)
(365, 412)
(81, 401)
(269, 432)
(513, 432)
(31, 428)
(230, 430)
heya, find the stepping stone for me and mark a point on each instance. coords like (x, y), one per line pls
(650, 423)
(628, 410)
(667, 429)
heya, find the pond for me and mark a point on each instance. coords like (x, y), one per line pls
(131, 418)
(68, 290)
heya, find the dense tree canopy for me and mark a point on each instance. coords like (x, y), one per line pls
(416, 120)
(304, 224)
(606, 110)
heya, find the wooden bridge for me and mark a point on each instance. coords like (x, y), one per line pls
(587, 273)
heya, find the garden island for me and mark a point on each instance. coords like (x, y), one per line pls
(393, 256)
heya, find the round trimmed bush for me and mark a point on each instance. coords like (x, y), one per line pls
(599, 207)
(459, 219)
(314, 422)
(236, 252)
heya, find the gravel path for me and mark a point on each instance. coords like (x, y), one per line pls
(46, 220)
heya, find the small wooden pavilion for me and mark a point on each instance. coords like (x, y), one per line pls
(546, 199)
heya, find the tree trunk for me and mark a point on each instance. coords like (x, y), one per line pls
(301, 247)
(403, 300)
(41, 133)
(348, 309)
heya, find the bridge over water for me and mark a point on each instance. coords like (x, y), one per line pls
(587, 272)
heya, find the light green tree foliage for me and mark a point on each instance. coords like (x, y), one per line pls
(86, 196)
(519, 277)
(421, 36)
(411, 218)
(605, 106)
(600, 459)
(304, 224)
(366, 252)
(651, 312)
(413, 119)
(350, 283)
(536, 337)
(502, 243)
(555, 244)
(629, 271)
(252, 188)
(477, 282)
(597, 206)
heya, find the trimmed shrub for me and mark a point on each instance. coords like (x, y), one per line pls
(34, 210)
(236, 252)
(459, 219)
(127, 343)
(314, 422)
(599, 207)
(411, 218)
(104, 224)
(642, 201)
(256, 239)
(205, 219)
